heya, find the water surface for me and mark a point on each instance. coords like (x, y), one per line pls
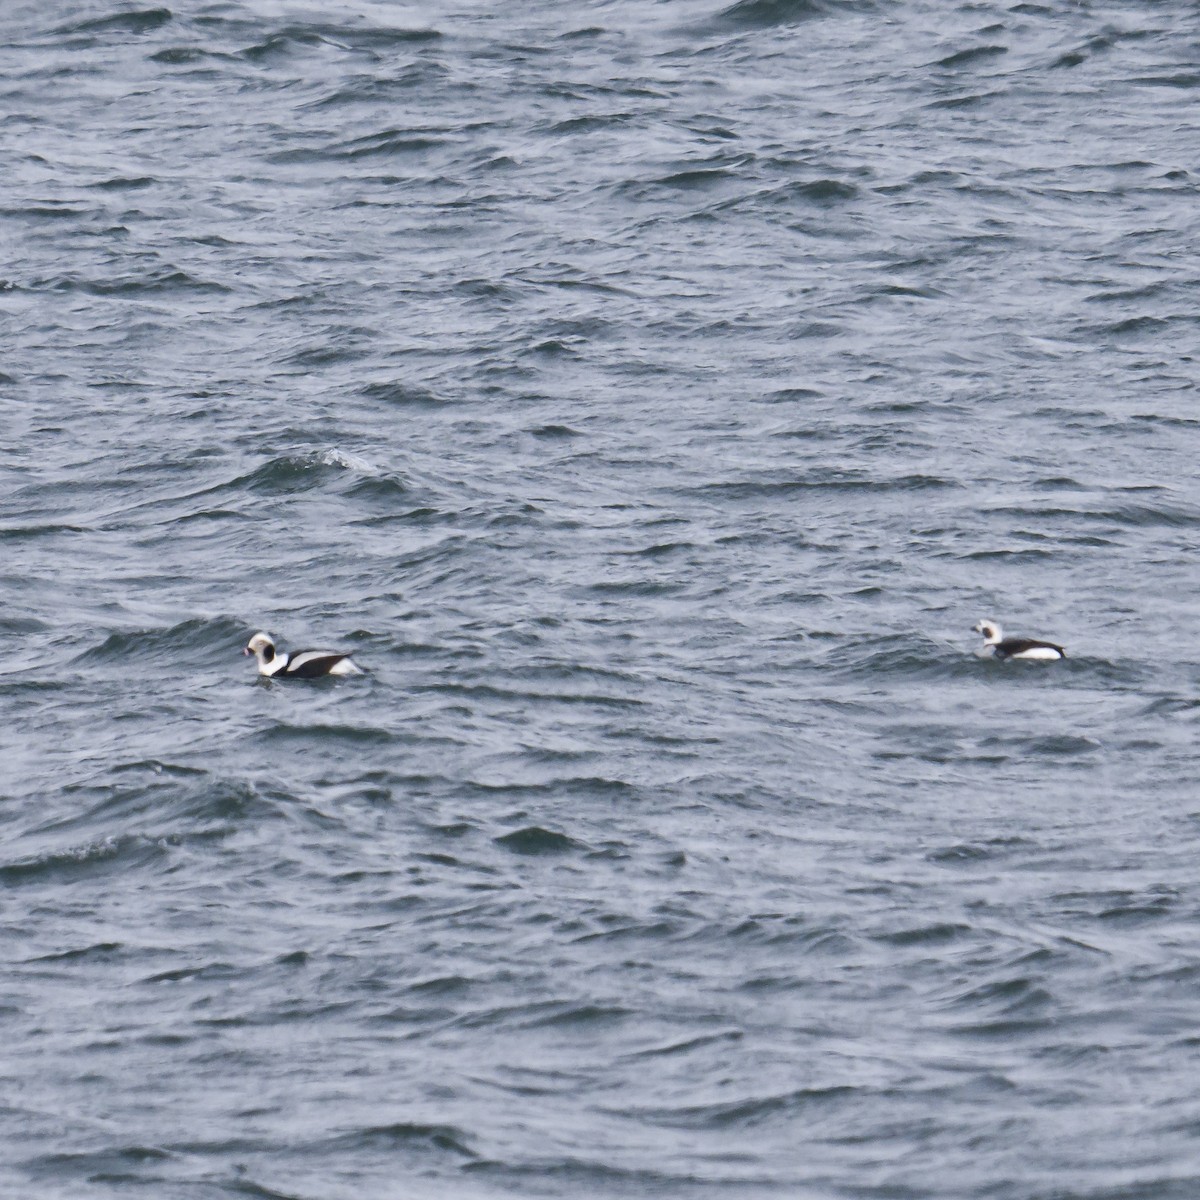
(652, 396)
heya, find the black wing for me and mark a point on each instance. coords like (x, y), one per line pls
(307, 665)
(1011, 646)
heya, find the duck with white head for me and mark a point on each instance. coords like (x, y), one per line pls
(996, 645)
(298, 664)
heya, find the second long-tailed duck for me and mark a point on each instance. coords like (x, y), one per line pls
(298, 664)
(998, 646)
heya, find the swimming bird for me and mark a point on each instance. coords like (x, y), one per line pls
(995, 643)
(299, 664)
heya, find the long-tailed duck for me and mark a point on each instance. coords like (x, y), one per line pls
(998, 646)
(299, 664)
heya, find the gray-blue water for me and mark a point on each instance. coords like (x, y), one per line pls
(652, 396)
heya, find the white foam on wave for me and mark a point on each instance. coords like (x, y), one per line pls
(352, 462)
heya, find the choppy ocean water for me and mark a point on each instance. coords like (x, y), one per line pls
(652, 396)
